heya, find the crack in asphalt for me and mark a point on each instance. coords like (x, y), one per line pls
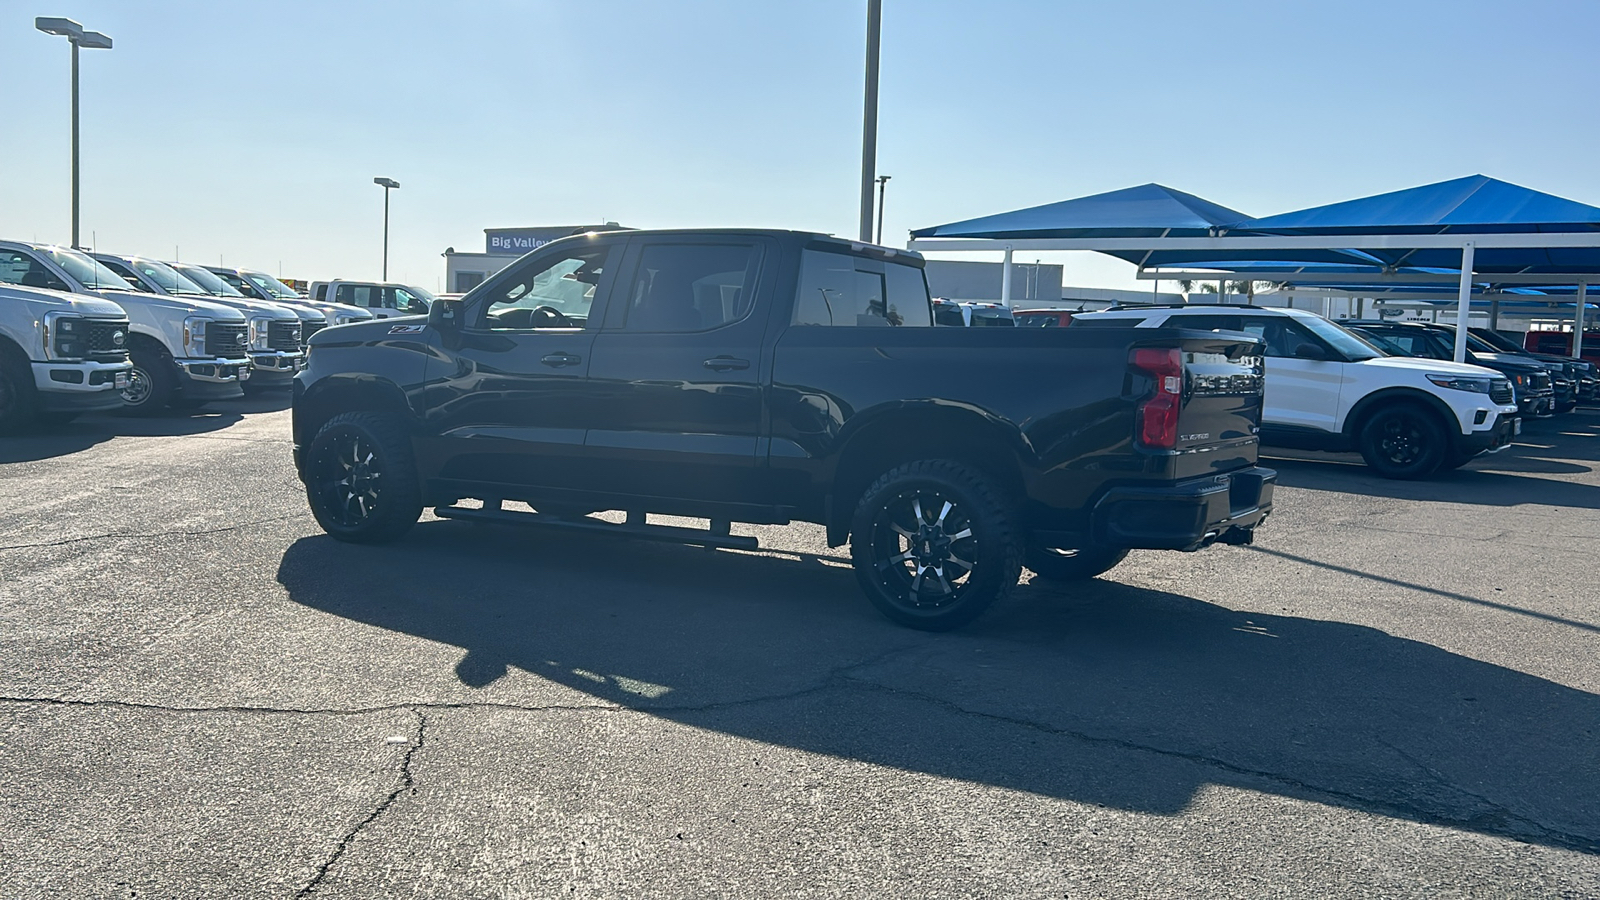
(1534, 831)
(1502, 822)
(117, 535)
(408, 782)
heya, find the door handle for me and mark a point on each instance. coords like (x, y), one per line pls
(725, 363)
(557, 360)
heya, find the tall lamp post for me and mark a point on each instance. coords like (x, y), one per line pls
(387, 184)
(882, 180)
(869, 117)
(76, 36)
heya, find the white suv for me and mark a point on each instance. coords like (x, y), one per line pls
(1327, 389)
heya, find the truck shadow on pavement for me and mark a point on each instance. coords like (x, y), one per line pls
(53, 441)
(1103, 693)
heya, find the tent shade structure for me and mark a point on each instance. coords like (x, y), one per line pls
(1149, 210)
(1482, 234)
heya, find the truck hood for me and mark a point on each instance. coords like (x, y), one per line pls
(42, 300)
(374, 329)
(174, 306)
(1436, 366)
(253, 308)
(1510, 362)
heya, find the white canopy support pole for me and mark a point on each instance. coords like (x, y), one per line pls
(1464, 301)
(1577, 319)
(1005, 280)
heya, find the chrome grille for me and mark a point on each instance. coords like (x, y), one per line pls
(284, 336)
(108, 340)
(226, 340)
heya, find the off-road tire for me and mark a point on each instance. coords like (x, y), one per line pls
(1072, 565)
(361, 478)
(1404, 441)
(977, 531)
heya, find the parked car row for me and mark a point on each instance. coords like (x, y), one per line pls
(1390, 391)
(83, 332)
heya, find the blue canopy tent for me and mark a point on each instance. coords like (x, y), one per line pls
(1464, 230)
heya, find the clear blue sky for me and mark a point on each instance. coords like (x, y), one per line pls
(252, 130)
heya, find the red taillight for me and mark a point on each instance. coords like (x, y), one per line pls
(1158, 413)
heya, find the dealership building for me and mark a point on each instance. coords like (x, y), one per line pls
(465, 271)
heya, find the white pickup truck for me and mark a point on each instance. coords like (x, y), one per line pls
(384, 299)
(275, 349)
(185, 351)
(60, 354)
(261, 286)
(1327, 389)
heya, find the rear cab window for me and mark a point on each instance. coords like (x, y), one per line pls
(841, 290)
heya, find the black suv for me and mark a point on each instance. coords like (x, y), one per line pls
(1530, 380)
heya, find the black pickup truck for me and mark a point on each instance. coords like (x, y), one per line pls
(773, 376)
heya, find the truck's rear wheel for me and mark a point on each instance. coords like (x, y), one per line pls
(1404, 441)
(361, 478)
(934, 544)
(1072, 565)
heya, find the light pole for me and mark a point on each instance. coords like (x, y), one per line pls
(869, 117)
(76, 36)
(387, 184)
(882, 180)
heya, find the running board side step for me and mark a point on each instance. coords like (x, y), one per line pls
(633, 528)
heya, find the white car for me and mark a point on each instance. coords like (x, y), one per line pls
(1327, 389)
(384, 299)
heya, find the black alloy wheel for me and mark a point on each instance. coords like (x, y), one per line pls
(1404, 441)
(933, 545)
(361, 479)
(1072, 565)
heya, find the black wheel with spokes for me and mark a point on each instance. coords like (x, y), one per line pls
(361, 478)
(1404, 440)
(1072, 565)
(933, 544)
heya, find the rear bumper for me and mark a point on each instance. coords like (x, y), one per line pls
(1186, 515)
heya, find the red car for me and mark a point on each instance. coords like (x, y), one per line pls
(1559, 343)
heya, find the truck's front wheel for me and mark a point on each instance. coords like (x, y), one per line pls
(934, 544)
(17, 398)
(152, 384)
(361, 478)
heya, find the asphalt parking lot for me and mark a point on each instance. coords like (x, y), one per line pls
(1394, 693)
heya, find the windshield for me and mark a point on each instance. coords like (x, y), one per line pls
(88, 272)
(424, 294)
(270, 286)
(207, 280)
(1353, 346)
(168, 278)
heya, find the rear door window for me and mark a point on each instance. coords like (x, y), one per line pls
(688, 287)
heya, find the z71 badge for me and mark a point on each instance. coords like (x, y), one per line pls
(406, 329)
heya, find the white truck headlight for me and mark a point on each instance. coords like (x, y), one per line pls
(1461, 383)
(194, 335)
(66, 336)
(260, 334)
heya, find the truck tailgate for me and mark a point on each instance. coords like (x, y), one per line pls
(1215, 379)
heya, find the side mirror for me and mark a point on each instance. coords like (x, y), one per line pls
(1310, 351)
(445, 315)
